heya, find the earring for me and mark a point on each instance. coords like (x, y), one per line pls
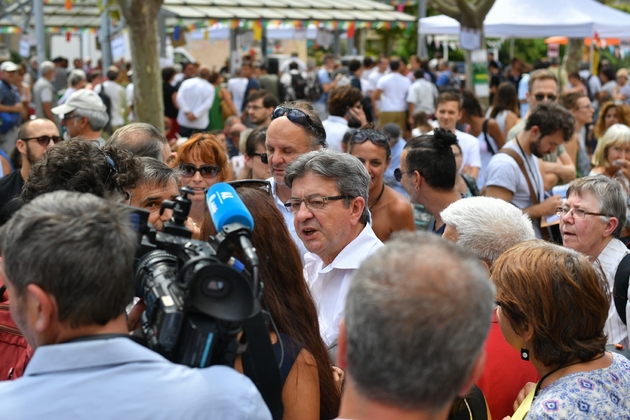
(524, 353)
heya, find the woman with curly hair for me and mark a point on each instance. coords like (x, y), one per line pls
(309, 391)
(202, 162)
(611, 113)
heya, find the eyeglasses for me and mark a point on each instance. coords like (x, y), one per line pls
(263, 157)
(398, 174)
(541, 97)
(206, 171)
(374, 136)
(299, 117)
(313, 203)
(577, 213)
(44, 140)
(67, 117)
(252, 183)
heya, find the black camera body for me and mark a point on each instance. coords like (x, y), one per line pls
(195, 301)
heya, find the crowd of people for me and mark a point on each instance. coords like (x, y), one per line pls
(424, 255)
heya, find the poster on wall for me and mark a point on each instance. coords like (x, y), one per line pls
(479, 60)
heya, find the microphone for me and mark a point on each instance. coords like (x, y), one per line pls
(232, 219)
(226, 207)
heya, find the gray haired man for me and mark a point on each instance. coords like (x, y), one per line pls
(329, 193)
(417, 315)
(142, 139)
(84, 115)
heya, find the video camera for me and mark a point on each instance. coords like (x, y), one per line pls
(199, 298)
(197, 295)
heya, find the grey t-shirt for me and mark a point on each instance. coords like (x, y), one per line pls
(503, 171)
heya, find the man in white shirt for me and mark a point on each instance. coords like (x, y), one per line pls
(295, 129)
(195, 97)
(117, 96)
(329, 193)
(593, 217)
(380, 70)
(448, 111)
(392, 89)
(421, 96)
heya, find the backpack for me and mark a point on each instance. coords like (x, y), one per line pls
(299, 85)
(454, 84)
(620, 290)
(314, 89)
(585, 81)
(15, 351)
(108, 105)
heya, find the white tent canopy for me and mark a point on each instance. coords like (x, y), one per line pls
(541, 19)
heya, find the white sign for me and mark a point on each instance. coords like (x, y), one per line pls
(299, 34)
(470, 38)
(118, 47)
(25, 48)
(324, 38)
(553, 50)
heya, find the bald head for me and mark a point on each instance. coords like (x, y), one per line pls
(204, 72)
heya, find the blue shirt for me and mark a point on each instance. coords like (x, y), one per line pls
(393, 164)
(324, 78)
(443, 80)
(120, 379)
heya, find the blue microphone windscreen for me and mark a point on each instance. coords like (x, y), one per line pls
(227, 207)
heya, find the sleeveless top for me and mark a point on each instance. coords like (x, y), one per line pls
(500, 119)
(216, 119)
(292, 348)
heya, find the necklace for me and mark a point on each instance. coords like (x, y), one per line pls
(379, 197)
(563, 365)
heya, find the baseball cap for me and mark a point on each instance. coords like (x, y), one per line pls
(82, 98)
(8, 66)
(622, 73)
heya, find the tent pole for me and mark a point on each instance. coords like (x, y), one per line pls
(422, 46)
(591, 57)
(263, 45)
(106, 51)
(162, 32)
(511, 48)
(232, 51)
(337, 44)
(38, 9)
(445, 50)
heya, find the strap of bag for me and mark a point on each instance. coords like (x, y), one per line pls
(620, 291)
(521, 165)
(484, 128)
(523, 409)
(4, 289)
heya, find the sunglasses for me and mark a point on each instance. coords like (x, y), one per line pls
(263, 157)
(252, 183)
(541, 97)
(398, 174)
(44, 140)
(206, 171)
(297, 116)
(374, 136)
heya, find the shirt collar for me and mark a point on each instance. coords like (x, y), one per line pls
(338, 120)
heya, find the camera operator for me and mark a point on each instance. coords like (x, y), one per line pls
(70, 304)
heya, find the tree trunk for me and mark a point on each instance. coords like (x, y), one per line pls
(141, 17)
(574, 54)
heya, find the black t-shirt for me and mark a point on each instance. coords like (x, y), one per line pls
(167, 94)
(10, 188)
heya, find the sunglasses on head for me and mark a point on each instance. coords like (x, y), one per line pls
(541, 97)
(252, 183)
(44, 140)
(374, 136)
(206, 171)
(297, 116)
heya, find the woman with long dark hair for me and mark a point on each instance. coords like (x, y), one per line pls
(309, 390)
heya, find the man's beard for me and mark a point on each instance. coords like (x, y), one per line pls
(534, 148)
(29, 156)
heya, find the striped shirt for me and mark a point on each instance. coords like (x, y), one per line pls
(609, 259)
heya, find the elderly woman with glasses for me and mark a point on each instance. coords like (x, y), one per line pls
(552, 307)
(202, 163)
(391, 211)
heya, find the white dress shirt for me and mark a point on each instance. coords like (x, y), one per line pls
(329, 283)
(288, 218)
(335, 128)
(609, 259)
(422, 94)
(195, 95)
